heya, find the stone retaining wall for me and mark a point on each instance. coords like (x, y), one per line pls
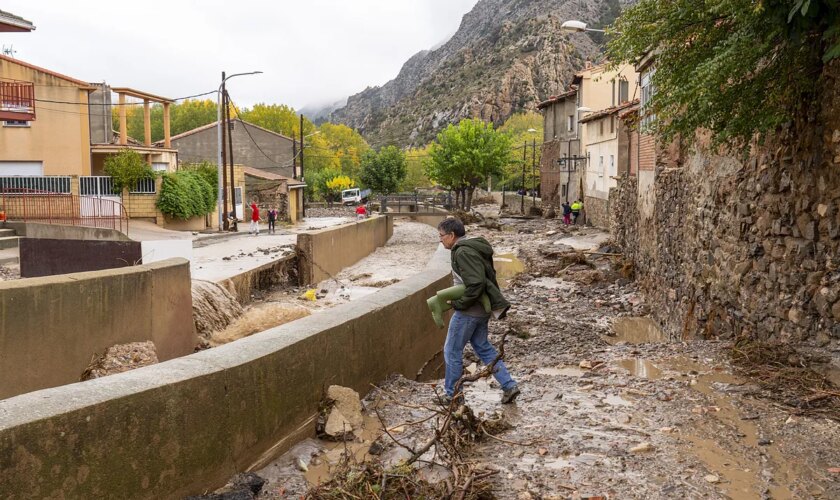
(750, 246)
(51, 327)
(596, 212)
(183, 427)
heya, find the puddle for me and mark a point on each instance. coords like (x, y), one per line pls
(564, 371)
(318, 469)
(614, 400)
(507, 267)
(636, 331)
(642, 368)
(741, 476)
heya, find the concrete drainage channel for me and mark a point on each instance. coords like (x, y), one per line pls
(175, 428)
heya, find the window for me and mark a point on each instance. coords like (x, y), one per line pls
(612, 94)
(612, 124)
(15, 123)
(623, 90)
(612, 164)
(160, 166)
(571, 125)
(563, 190)
(647, 93)
(601, 127)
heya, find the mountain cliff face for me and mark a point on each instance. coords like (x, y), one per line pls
(507, 56)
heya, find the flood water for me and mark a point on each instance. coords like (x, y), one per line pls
(507, 267)
(636, 331)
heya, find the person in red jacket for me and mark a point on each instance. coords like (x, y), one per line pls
(255, 218)
(361, 212)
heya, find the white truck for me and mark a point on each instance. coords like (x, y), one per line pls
(354, 195)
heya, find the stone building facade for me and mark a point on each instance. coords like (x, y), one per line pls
(728, 246)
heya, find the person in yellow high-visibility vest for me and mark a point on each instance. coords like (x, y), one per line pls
(576, 208)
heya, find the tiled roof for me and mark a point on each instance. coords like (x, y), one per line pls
(16, 22)
(557, 98)
(270, 176)
(608, 111)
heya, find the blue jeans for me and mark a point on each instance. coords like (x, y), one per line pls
(463, 329)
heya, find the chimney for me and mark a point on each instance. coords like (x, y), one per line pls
(587, 64)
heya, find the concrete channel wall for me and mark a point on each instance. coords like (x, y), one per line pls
(324, 253)
(62, 232)
(185, 426)
(50, 327)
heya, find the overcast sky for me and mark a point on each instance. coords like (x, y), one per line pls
(311, 51)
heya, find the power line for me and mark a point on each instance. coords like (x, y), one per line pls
(118, 104)
(244, 126)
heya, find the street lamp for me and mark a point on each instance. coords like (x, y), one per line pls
(219, 158)
(580, 26)
(533, 167)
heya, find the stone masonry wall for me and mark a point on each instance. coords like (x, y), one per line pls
(744, 246)
(596, 211)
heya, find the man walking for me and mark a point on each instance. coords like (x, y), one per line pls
(576, 208)
(472, 266)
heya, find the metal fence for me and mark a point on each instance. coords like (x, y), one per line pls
(59, 184)
(144, 186)
(416, 202)
(96, 185)
(66, 209)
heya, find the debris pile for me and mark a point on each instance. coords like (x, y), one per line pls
(121, 358)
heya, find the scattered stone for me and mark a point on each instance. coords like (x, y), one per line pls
(711, 478)
(642, 448)
(764, 442)
(338, 427)
(347, 401)
(121, 358)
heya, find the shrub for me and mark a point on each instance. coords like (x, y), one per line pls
(127, 168)
(187, 193)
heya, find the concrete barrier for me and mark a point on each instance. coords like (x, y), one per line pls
(49, 257)
(50, 327)
(281, 271)
(324, 253)
(185, 426)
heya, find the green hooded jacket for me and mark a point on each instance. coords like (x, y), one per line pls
(472, 260)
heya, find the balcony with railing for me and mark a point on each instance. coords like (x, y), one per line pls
(17, 101)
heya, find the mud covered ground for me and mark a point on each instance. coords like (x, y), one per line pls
(610, 408)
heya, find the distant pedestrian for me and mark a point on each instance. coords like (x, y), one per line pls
(472, 266)
(361, 212)
(567, 213)
(577, 206)
(255, 218)
(272, 218)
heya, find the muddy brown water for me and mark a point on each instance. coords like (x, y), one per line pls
(738, 473)
(636, 331)
(507, 267)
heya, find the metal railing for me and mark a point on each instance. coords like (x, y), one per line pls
(96, 185)
(419, 202)
(59, 184)
(65, 209)
(17, 101)
(144, 186)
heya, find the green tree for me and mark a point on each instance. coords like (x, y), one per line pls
(187, 193)
(183, 116)
(464, 155)
(277, 118)
(383, 171)
(738, 68)
(415, 167)
(127, 168)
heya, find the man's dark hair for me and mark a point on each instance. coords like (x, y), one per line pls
(452, 225)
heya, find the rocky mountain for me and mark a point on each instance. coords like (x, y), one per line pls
(507, 56)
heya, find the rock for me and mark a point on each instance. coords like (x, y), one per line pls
(711, 478)
(642, 448)
(338, 427)
(347, 401)
(301, 465)
(764, 442)
(248, 480)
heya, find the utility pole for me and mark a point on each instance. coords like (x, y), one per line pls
(294, 158)
(230, 153)
(533, 173)
(524, 160)
(303, 211)
(225, 222)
